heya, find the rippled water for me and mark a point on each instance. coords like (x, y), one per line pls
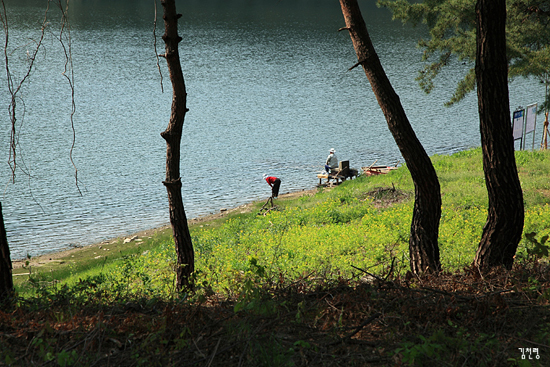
(268, 91)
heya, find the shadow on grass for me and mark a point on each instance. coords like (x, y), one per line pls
(463, 319)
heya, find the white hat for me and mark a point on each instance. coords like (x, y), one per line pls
(265, 175)
(331, 150)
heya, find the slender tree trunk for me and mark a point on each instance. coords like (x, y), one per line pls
(6, 279)
(172, 135)
(423, 246)
(502, 232)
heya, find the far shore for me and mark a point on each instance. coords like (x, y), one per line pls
(245, 208)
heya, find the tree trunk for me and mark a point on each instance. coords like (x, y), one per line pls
(6, 278)
(423, 246)
(502, 232)
(172, 135)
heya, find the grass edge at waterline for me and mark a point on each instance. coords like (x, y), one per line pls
(363, 223)
(266, 295)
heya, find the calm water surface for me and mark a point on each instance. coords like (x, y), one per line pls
(268, 91)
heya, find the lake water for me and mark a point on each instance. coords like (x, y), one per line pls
(269, 91)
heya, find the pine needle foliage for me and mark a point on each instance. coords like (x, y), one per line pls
(452, 39)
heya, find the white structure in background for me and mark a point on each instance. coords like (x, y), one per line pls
(524, 122)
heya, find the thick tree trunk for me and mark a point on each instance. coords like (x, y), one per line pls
(172, 135)
(6, 280)
(502, 232)
(423, 246)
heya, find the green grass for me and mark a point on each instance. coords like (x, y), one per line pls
(285, 289)
(328, 234)
(87, 261)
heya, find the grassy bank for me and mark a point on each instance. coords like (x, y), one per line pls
(322, 280)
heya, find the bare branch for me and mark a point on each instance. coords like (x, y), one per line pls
(155, 44)
(68, 73)
(12, 87)
(64, 38)
(356, 65)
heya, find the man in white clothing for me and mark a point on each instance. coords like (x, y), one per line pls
(332, 161)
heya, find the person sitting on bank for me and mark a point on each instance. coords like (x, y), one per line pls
(275, 183)
(332, 161)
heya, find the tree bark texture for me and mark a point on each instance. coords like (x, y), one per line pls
(6, 277)
(504, 226)
(172, 135)
(423, 246)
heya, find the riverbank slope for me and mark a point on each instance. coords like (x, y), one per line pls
(121, 243)
(321, 281)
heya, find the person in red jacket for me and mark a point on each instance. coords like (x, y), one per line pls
(275, 183)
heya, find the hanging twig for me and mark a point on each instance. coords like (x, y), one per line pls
(155, 45)
(68, 69)
(14, 89)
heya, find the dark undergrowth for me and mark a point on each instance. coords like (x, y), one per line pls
(458, 319)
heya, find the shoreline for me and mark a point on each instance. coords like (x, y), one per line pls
(62, 253)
